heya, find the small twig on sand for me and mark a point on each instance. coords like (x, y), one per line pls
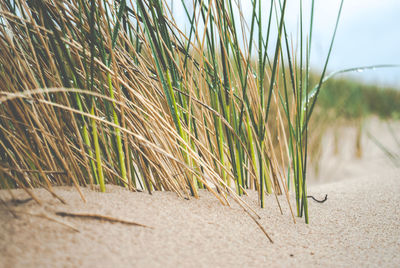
(316, 200)
(17, 202)
(99, 217)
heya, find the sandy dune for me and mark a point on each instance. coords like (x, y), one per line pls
(359, 225)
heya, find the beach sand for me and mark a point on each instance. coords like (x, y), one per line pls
(359, 225)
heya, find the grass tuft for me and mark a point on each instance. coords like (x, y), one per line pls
(114, 92)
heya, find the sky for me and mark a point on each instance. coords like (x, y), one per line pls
(368, 34)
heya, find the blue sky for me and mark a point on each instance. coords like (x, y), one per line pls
(368, 34)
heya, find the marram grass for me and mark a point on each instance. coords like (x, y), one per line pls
(114, 92)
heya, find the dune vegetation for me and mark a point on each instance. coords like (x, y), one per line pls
(347, 102)
(114, 92)
(353, 100)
